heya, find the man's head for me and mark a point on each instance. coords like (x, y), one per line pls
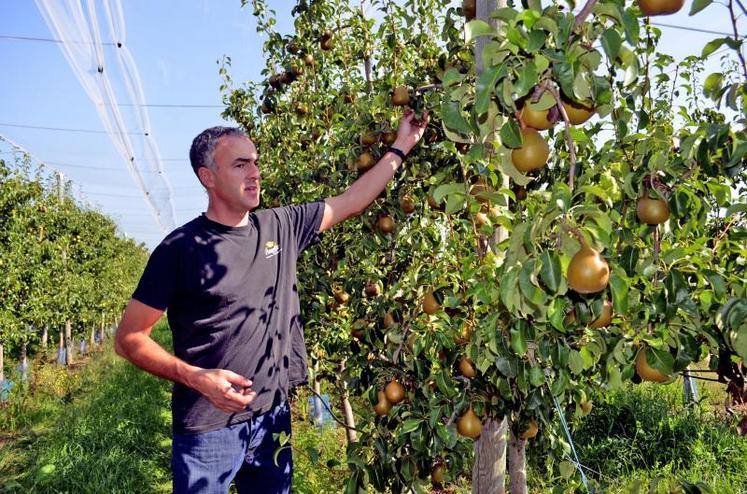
(225, 161)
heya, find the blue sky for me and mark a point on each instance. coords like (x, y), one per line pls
(175, 45)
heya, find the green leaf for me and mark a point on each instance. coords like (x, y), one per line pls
(526, 80)
(565, 75)
(486, 86)
(509, 289)
(567, 469)
(619, 293)
(661, 360)
(453, 118)
(561, 197)
(551, 273)
(632, 27)
(715, 44)
(451, 77)
(511, 134)
(410, 425)
(448, 189)
(505, 14)
(532, 292)
(556, 313)
(611, 43)
(545, 102)
(518, 343)
(712, 86)
(699, 5)
(536, 376)
(575, 362)
(536, 40)
(454, 203)
(313, 454)
(476, 28)
(736, 209)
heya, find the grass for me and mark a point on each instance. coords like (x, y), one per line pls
(105, 427)
(643, 435)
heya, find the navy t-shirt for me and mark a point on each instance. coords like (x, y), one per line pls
(232, 303)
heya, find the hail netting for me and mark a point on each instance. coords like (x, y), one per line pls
(83, 48)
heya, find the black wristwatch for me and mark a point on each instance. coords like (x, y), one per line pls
(397, 151)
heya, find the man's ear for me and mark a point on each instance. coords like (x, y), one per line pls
(205, 176)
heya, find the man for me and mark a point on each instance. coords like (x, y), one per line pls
(228, 282)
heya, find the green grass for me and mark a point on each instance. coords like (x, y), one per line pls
(101, 428)
(644, 435)
(105, 427)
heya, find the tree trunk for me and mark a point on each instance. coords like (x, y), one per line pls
(2, 364)
(347, 409)
(69, 357)
(92, 340)
(44, 338)
(489, 471)
(517, 465)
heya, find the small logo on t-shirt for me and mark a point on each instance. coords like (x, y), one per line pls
(271, 249)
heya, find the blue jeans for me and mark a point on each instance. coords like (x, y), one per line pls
(207, 462)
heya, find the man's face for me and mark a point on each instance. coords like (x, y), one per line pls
(235, 182)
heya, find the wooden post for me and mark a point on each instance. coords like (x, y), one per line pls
(69, 357)
(489, 469)
(44, 338)
(347, 408)
(2, 364)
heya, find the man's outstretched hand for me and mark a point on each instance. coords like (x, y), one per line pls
(220, 387)
(410, 130)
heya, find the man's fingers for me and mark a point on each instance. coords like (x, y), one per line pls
(240, 380)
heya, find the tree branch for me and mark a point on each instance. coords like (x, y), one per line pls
(736, 36)
(581, 17)
(547, 86)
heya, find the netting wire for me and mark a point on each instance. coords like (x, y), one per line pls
(567, 431)
(68, 22)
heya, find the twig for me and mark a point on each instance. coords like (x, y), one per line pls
(461, 403)
(575, 232)
(547, 86)
(406, 328)
(331, 412)
(674, 86)
(736, 36)
(657, 249)
(427, 87)
(581, 17)
(722, 234)
(367, 60)
(741, 7)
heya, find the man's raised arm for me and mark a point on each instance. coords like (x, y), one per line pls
(363, 191)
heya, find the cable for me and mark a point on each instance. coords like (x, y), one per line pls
(88, 167)
(157, 105)
(61, 129)
(48, 40)
(693, 29)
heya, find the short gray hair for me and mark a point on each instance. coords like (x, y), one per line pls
(203, 146)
